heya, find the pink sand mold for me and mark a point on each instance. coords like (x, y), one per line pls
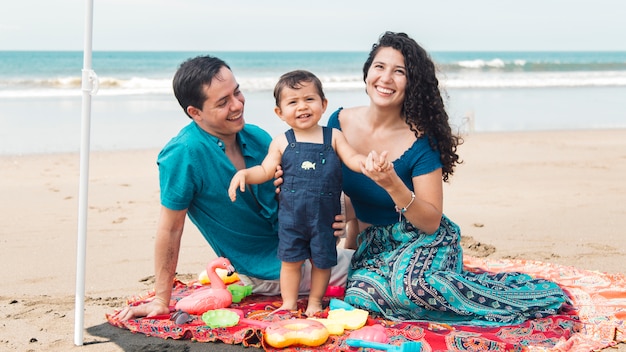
(373, 333)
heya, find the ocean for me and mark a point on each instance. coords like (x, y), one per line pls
(134, 108)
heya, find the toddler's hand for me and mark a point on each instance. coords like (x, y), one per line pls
(378, 163)
(382, 164)
(378, 168)
(238, 181)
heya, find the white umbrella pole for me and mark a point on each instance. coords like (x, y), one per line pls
(89, 86)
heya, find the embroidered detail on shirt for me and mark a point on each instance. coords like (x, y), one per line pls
(307, 165)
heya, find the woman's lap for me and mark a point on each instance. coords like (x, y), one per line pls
(406, 275)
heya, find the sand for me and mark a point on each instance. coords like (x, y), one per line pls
(554, 196)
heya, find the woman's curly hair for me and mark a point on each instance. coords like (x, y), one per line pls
(423, 107)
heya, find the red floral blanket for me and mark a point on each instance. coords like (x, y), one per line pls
(596, 320)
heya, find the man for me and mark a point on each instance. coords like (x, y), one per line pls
(195, 169)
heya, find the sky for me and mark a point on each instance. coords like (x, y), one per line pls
(319, 25)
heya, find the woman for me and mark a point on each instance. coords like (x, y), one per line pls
(408, 263)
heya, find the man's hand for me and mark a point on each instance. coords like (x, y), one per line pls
(278, 178)
(149, 309)
(339, 225)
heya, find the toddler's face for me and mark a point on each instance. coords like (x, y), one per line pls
(301, 108)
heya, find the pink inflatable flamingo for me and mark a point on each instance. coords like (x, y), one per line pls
(207, 298)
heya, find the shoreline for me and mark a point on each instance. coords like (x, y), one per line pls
(550, 196)
(120, 123)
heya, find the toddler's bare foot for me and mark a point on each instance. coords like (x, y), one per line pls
(311, 309)
(286, 308)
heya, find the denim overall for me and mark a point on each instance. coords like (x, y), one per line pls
(308, 202)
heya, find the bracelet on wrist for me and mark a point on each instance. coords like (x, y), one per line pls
(406, 207)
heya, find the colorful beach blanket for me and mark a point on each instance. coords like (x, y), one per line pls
(595, 320)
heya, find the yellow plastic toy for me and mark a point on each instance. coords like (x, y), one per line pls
(203, 278)
(340, 319)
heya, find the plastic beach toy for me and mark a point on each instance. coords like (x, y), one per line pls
(295, 332)
(409, 346)
(253, 322)
(335, 291)
(374, 333)
(208, 298)
(220, 318)
(351, 319)
(239, 292)
(227, 317)
(339, 304)
(340, 319)
(204, 279)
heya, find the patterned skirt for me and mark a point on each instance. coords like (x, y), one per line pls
(402, 273)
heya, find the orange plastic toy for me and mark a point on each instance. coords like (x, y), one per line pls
(295, 332)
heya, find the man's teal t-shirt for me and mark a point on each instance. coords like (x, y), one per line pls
(194, 174)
